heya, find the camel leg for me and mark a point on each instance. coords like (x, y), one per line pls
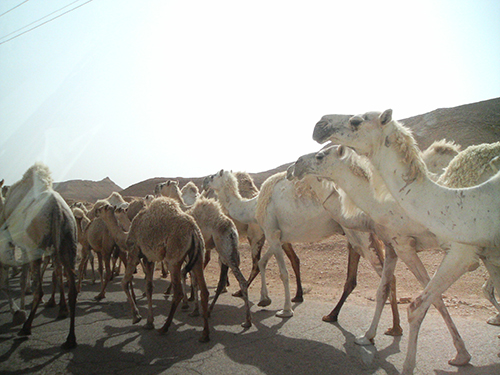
(350, 284)
(489, 293)
(37, 297)
(52, 300)
(149, 270)
(382, 295)
(295, 261)
(199, 278)
(83, 265)
(18, 314)
(415, 265)
(244, 291)
(72, 296)
(127, 287)
(256, 241)
(489, 287)
(107, 277)
(63, 306)
(220, 286)
(264, 294)
(456, 262)
(175, 275)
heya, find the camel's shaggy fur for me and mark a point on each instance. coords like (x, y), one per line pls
(473, 166)
(38, 220)
(438, 155)
(239, 201)
(162, 232)
(190, 193)
(218, 231)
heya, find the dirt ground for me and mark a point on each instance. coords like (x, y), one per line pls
(324, 267)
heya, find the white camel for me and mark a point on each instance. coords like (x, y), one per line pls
(38, 220)
(294, 211)
(401, 235)
(190, 193)
(467, 216)
(237, 194)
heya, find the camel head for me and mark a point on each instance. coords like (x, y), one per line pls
(361, 132)
(217, 181)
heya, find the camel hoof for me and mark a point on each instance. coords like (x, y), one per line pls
(284, 313)
(149, 326)
(50, 303)
(162, 331)
(246, 324)
(68, 345)
(495, 320)
(99, 297)
(264, 302)
(62, 315)
(195, 313)
(204, 338)
(298, 299)
(185, 306)
(364, 341)
(238, 294)
(460, 360)
(394, 331)
(136, 319)
(24, 332)
(330, 318)
(19, 317)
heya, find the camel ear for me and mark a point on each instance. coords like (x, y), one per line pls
(221, 172)
(386, 117)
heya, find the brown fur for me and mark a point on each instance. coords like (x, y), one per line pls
(162, 232)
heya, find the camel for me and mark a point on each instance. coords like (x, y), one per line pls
(401, 235)
(190, 193)
(38, 220)
(163, 233)
(237, 194)
(438, 156)
(220, 232)
(18, 313)
(473, 166)
(468, 216)
(302, 218)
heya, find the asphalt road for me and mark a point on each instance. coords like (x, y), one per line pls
(108, 342)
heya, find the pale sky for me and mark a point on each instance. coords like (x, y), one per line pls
(133, 90)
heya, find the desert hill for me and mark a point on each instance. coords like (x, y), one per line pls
(465, 125)
(143, 188)
(84, 190)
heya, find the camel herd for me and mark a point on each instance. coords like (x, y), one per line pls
(370, 183)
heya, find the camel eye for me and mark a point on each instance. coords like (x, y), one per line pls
(320, 156)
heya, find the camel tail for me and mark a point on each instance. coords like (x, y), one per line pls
(195, 252)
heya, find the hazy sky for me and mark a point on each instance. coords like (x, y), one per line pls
(141, 89)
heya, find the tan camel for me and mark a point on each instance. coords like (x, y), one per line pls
(163, 233)
(468, 216)
(97, 237)
(38, 220)
(220, 232)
